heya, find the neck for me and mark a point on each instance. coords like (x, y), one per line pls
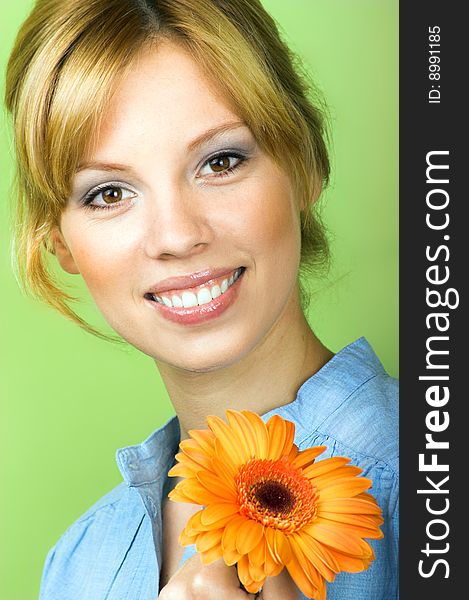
(266, 378)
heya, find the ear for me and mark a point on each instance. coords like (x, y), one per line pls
(62, 251)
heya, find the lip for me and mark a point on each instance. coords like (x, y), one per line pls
(195, 315)
(192, 280)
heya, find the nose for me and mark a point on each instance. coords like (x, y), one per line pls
(178, 224)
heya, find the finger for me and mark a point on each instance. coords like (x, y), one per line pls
(195, 581)
(280, 587)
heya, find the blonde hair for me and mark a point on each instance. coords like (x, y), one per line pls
(61, 72)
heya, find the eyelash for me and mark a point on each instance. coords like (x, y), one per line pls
(92, 194)
(226, 154)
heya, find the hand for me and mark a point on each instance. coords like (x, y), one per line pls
(195, 581)
(280, 587)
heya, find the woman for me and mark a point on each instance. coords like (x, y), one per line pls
(168, 154)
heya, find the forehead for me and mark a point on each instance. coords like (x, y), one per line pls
(164, 92)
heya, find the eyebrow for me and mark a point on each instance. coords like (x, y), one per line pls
(214, 133)
(210, 135)
(102, 166)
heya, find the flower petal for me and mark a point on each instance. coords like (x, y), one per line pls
(178, 495)
(257, 555)
(257, 573)
(323, 552)
(245, 576)
(335, 537)
(228, 540)
(351, 564)
(194, 524)
(193, 464)
(180, 470)
(277, 431)
(293, 453)
(282, 547)
(347, 471)
(217, 524)
(196, 493)
(224, 467)
(245, 434)
(260, 432)
(218, 512)
(287, 433)
(278, 569)
(189, 444)
(243, 448)
(195, 453)
(313, 552)
(270, 561)
(311, 572)
(248, 536)
(354, 529)
(344, 488)
(366, 521)
(269, 534)
(227, 439)
(187, 540)
(210, 556)
(324, 466)
(205, 438)
(306, 457)
(367, 496)
(300, 575)
(218, 485)
(231, 557)
(208, 539)
(355, 505)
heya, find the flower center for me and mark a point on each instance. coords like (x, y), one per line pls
(276, 494)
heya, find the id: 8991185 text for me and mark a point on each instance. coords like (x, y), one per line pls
(434, 69)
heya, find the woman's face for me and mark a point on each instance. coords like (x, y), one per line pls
(186, 234)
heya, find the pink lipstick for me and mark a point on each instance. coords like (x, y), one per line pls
(198, 297)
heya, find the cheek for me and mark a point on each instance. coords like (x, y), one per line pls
(275, 223)
(103, 256)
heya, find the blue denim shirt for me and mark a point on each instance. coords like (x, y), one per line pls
(114, 551)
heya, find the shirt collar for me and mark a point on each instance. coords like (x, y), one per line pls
(318, 397)
(150, 461)
(324, 392)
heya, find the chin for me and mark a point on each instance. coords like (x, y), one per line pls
(198, 360)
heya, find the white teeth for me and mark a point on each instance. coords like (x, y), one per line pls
(204, 296)
(177, 301)
(189, 299)
(216, 291)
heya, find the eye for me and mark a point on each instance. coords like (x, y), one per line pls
(221, 165)
(107, 196)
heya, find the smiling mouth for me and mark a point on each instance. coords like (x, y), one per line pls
(199, 295)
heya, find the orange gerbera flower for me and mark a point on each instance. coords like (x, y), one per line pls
(267, 505)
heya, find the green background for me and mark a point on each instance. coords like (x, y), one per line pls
(67, 400)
